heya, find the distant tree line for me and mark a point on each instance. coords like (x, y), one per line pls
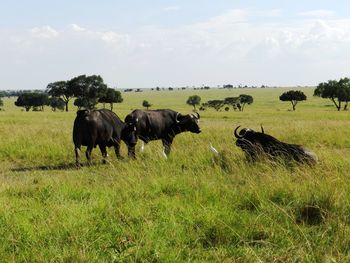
(12, 93)
(87, 91)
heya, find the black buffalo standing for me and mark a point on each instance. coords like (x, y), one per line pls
(103, 128)
(256, 143)
(161, 125)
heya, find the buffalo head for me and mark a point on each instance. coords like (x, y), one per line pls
(129, 134)
(188, 122)
(247, 138)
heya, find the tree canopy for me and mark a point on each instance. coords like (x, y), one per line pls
(81, 102)
(193, 101)
(33, 100)
(146, 104)
(235, 102)
(111, 96)
(62, 90)
(57, 103)
(88, 90)
(216, 104)
(336, 91)
(294, 96)
(245, 99)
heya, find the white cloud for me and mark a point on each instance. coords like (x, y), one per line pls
(317, 13)
(44, 32)
(171, 8)
(75, 27)
(230, 48)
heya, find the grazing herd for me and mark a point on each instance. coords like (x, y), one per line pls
(105, 129)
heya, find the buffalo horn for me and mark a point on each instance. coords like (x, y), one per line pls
(198, 116)
(236, 134)
(262, 129)
(177, 115)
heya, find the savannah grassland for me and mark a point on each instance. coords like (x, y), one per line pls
(193, 207)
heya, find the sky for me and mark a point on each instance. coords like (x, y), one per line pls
(145, 44)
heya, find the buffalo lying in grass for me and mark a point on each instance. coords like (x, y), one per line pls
(256, 144)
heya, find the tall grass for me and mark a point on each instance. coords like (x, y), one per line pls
(195, 206)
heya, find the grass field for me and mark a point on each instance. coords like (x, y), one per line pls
(193, 207)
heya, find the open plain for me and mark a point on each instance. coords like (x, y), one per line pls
(195, 206)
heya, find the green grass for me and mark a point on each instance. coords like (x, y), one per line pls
(193, 207)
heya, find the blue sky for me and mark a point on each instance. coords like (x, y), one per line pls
(139, 44)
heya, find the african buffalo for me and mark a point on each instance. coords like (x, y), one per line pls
(103, 128)
(256, 143)
(161, 125)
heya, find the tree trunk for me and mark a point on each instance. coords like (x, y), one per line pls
(346, 105)
(336, 105)
(66, 105)
(111, 106)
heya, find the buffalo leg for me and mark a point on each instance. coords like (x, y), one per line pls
(103, 152)
(167, 146)
(117, 150)
(88, 153)
(77, 156)
(131, 152)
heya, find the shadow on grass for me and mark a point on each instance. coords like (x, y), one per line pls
(63, 166)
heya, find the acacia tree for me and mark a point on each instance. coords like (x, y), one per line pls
(57, 103)
(62, 90)
(111, 96)
(193, 101)
(336, 91)
(344, 87)
(245, 99)
(32, 99)
(146, 104)
(216, 104)
(234, 102)
(294, 96)
(88, 90)
(81, 102)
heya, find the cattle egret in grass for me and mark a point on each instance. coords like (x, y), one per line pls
(142, 147)
(213, 149)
